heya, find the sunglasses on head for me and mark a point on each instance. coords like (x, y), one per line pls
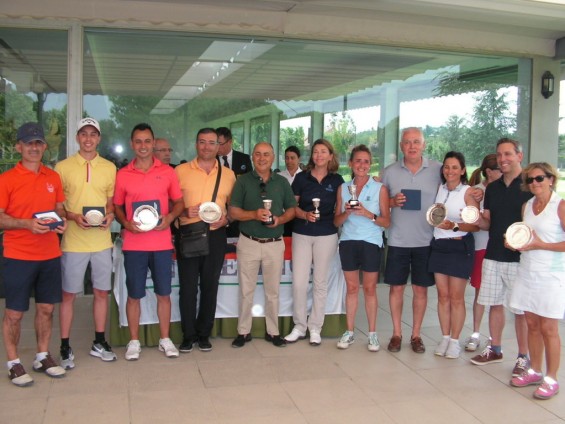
(538, 179)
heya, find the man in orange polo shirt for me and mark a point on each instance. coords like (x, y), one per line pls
(197, 181)
(31, 250)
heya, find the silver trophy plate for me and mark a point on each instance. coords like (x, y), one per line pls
(470, 214)
(146, 217)
(436, 214)
(94, 217)
(210, 212)
(518, 235)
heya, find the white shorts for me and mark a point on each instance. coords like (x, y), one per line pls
(497, 282)
(74, 264)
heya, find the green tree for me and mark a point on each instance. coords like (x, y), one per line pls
(341, 134)
(454, 135)
(292, 137)
(492, 120)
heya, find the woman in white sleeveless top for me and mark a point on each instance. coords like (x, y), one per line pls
(539, 289)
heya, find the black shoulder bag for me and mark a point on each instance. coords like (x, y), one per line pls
(193, 239)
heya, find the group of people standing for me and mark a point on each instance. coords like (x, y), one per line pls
(325, 213)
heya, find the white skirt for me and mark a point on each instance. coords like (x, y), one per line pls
(539, 292)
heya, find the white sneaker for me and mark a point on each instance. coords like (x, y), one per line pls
(295, 335)
(347, 339)
(442, 346)
(133, 349)
(167, 346)
(453, 350)
(315, 338)
(373, 345)
(472, 344)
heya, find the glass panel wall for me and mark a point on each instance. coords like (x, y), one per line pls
(33, 87)
(349, 93)
(179, 83)
(296, 132)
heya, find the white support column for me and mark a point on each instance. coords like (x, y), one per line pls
(247, 136)
(74, 84)
(388, 126)
(544, 129)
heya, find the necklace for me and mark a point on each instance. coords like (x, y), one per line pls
(539, 206)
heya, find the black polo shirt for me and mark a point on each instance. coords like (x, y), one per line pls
(505, 206)
(306, 187)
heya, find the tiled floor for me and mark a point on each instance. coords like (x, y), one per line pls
(297, 384)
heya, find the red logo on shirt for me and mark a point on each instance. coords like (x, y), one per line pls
(50, 188)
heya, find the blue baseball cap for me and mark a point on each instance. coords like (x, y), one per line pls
(30, 131)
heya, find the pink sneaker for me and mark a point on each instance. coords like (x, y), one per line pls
(527, 378)
(547, 390)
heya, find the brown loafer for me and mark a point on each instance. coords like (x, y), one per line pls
(395, 344)
(417, 345)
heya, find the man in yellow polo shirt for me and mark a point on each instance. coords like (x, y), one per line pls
(88, 183)
(197, 181)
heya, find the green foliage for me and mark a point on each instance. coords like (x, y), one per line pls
(561, 148)
(341, 134)
(292, 137)
(491, 121)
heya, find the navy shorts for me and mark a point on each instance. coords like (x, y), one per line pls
(22, 277)
(404, 261)
(359, 254)
(137, 263)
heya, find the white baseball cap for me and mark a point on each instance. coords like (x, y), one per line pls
(88, 121)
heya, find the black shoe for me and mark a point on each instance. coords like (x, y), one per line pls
(204, 344)
(277, 340)
(240, 340)
(186, 345)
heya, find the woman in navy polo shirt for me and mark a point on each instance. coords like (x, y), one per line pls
(314, 239)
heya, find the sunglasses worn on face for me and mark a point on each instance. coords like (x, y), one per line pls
(537, 179)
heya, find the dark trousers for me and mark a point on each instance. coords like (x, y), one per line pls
(201, 272)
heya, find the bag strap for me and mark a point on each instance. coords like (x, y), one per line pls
(215, 187)
(217, 180)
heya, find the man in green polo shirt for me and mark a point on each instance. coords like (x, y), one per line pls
(260, 242)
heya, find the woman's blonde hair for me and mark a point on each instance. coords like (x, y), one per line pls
(546, 168)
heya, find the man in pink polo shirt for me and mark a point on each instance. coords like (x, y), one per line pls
(147, 181)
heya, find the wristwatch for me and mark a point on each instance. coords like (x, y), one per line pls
(455, 227)
(374, 218)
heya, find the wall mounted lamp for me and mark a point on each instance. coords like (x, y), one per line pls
(547, 84)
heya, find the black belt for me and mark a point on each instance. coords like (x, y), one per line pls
(261, 240)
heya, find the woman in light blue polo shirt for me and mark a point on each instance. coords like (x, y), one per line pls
(361, 241)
